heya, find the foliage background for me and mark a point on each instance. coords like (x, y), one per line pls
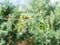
(40, 23)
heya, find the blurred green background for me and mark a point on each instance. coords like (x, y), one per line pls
(35, 21)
